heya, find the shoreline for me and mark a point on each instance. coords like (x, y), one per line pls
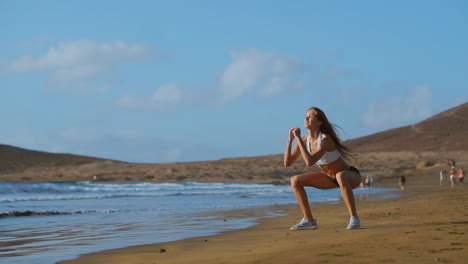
(416, 228)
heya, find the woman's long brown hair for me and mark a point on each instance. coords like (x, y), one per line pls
(330, 129)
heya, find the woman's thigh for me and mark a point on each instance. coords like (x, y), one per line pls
(313, 179)
(352, 177)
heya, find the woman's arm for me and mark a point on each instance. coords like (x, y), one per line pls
(290, 158)
(306, 156)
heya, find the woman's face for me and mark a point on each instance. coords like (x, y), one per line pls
(311, 120)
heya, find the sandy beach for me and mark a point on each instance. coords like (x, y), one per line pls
(428, 224)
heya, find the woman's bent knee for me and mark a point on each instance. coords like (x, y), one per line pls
(295, 182)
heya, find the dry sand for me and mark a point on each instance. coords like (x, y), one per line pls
(427, 225)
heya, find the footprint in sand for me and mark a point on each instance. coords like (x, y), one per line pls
(456, 233)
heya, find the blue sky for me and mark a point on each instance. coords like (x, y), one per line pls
(166, 81)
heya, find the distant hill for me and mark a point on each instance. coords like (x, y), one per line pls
(446, 131)
(14, 159)
(382, 154)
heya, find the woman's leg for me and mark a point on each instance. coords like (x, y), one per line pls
(313, 179)
(348, 180)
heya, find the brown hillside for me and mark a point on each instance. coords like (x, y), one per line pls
(14, 159)
(447, 131)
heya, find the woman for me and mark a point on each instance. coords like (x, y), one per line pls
(452, 177)
(322, 147)
(461, 175)
(441, 177)
(402, 182)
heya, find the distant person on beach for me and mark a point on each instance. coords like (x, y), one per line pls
(452, 176)
(461, 175)
(441, 177)
(402, 182)
(322, 147)
(367, 182)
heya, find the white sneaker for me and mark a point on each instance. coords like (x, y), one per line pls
(354, 223)
(305, 224)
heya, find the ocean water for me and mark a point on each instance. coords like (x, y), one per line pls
(43, 223)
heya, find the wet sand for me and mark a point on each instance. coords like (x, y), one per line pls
(429, 224)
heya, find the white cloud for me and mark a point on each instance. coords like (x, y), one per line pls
(277, 85)
(400, 111)
(270, 73)
(80, 60)
(165, 96)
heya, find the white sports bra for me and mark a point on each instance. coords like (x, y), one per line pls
(328, 156)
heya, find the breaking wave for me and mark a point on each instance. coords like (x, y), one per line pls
(14, 192)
